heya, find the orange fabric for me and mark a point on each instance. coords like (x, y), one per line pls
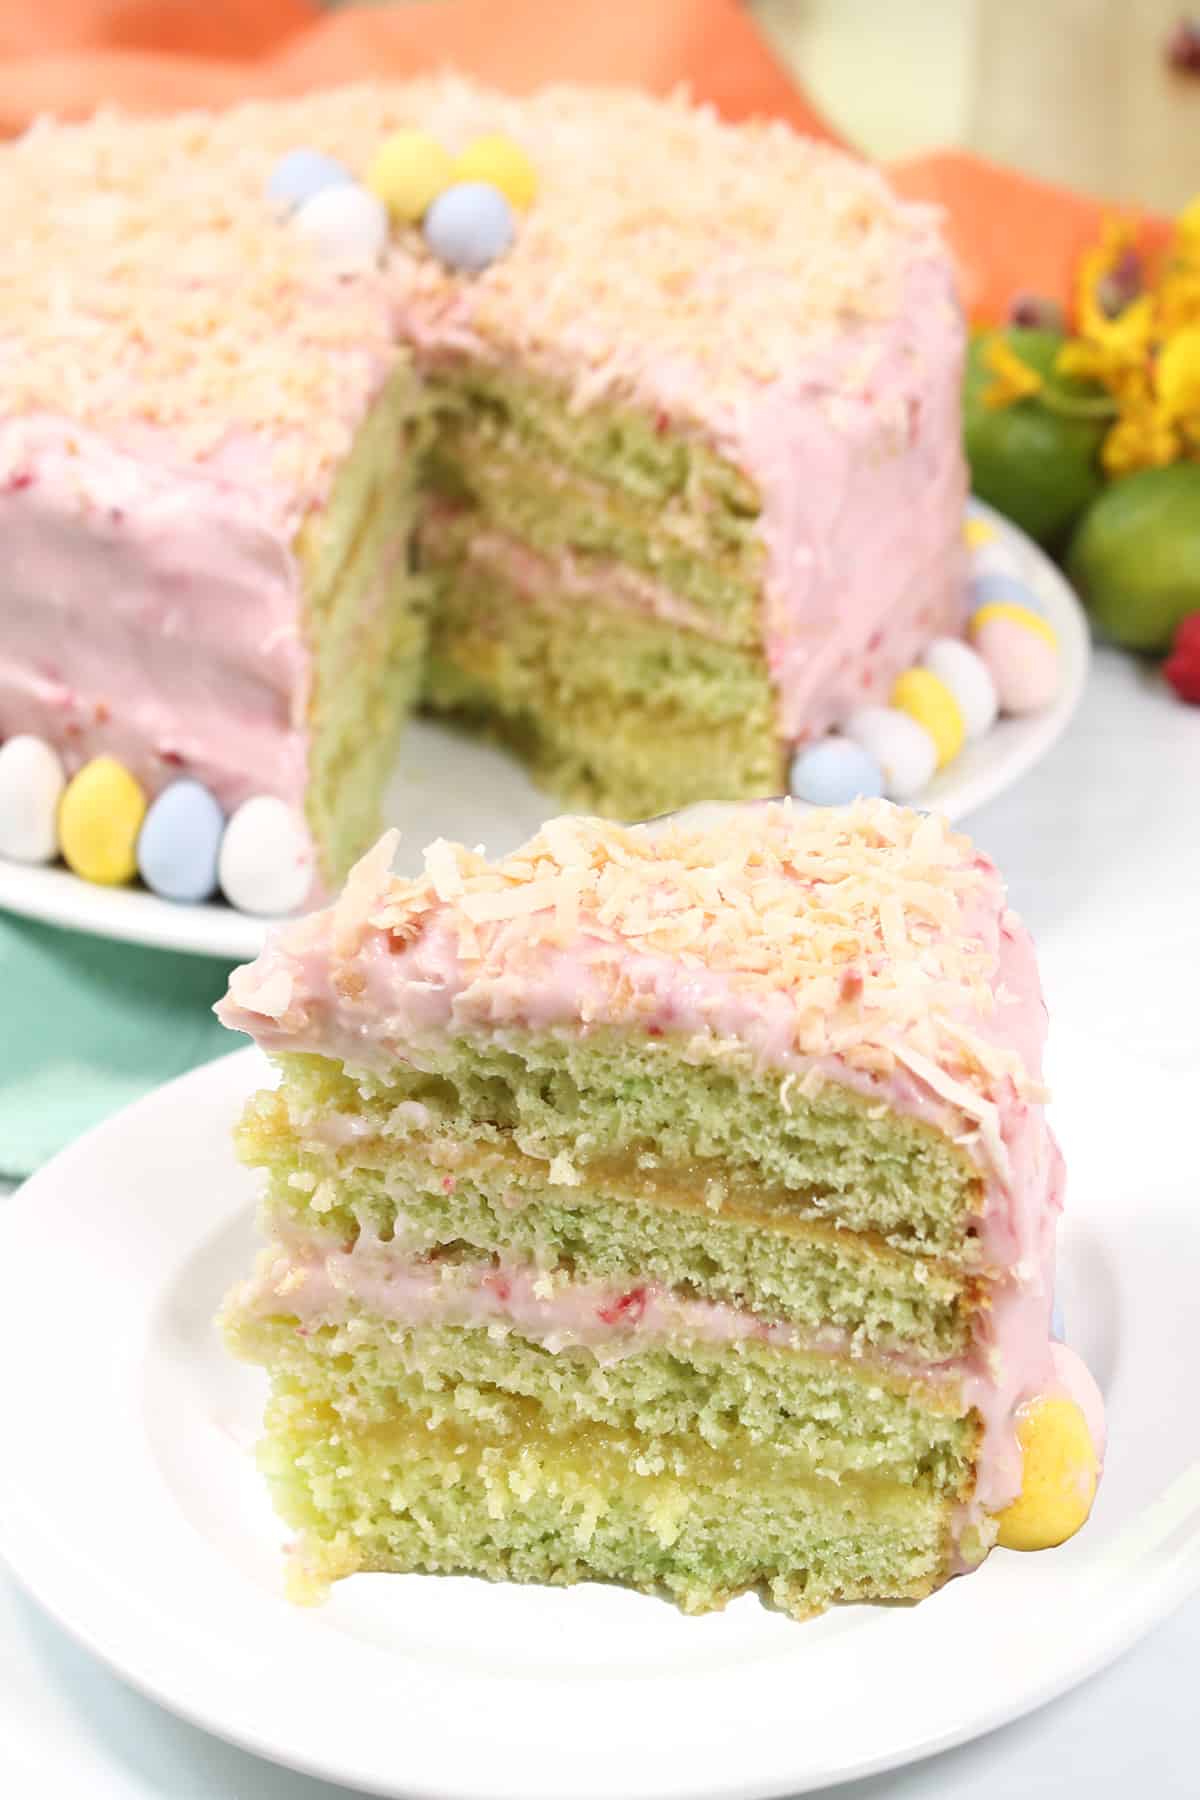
(1010, 233)
(154, 55)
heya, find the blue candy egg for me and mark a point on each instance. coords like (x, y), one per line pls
(179, 842)
(469, 225)
(299, 175)
(992, 586)
(834, 771)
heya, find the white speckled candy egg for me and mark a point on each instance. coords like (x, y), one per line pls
(299, 175)
(31, 785)
(903, 749)
(967, 676)
(179, 842)
(266, 862)
(834, 771)
(349, 226)
(469, 225)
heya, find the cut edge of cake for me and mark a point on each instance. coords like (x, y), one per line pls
(668, 1205)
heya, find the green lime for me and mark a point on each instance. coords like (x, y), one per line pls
(1136, 556)
(1032, 459)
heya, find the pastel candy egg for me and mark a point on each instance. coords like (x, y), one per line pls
(99, 817)
(1058, 1324)
(835, 771)
(299, 175)
(1021, 653)
(997, 587)
(31, 785)
(407, 171)
(903, 749)
(978, 530)
(497, 160)
(178, 843)
(1058, 1483)
(469, 225)
(969, 679)
(348, 225)
(265, 864)
(1016, 614)
(927, 699)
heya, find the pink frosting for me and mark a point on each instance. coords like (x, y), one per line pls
(563, 581)
(859, 463)
(857, 457)
(319, 1281)
(150, 611)
(153, 607)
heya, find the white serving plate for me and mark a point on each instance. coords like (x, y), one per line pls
(451, 785)
(130, 1508)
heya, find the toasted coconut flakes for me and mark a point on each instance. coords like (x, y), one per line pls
(441, 866)
(145, 279)
(869, 934)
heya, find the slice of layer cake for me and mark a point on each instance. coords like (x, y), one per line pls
(671, 1205)
(682, 469)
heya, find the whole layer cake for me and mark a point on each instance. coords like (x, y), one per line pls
(672, 1205)
(665, 490)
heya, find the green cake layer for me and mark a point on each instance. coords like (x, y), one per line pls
(726, 1132)
(621, 712)
(570, 1169)
(621, 715)
(612, 1225)
(366, 624)
(601, 479)
(816, 1414)
(698, 1525)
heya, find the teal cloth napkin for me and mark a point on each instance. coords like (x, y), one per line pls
(89, 1025)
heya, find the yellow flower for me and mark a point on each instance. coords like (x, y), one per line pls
(1015, 380)
(1178, 299)
(1187, 227)
(1177, 374)
(1140, 440)
(1116, 242)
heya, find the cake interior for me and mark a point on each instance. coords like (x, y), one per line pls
(557, 1307)
(583, 587)
(598, 584)
(366, 622)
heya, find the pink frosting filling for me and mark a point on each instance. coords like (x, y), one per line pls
(318, 1281)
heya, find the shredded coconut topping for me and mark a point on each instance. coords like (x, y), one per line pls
(146, 283)
(871, 931)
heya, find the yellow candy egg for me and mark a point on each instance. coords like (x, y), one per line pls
(1019, 615)
(1060, 1475)
(496, 159)
(99, 817)
(926, 698)
(408, 170)
(978, 532)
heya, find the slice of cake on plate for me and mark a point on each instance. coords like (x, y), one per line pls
(667, 1205)
(671, 485)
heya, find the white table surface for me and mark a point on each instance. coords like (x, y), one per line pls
(1101, 847)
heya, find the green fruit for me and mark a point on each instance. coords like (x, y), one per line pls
(1033, 460)
(1136, 556)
